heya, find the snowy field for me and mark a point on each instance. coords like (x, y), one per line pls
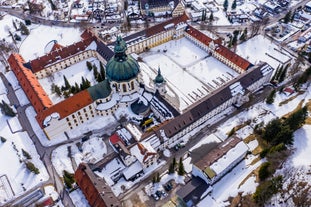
(183, 62)
(92, 151)
(13, 166)
(33, 46)
(41, 35)
(264, 49)
(74, 74)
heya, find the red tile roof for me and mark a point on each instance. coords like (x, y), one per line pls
(220, 49)
(56, 46)
(234, 58)
(31, 86)
(160, 27)
(40, 63)
(114, 139)
(68, 106)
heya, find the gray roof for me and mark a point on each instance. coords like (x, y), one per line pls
(193, 190)
(100, 90)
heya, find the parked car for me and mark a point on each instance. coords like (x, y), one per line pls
(155, 197)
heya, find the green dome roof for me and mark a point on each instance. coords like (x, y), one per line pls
(122, 71)
(159, 78)
(121, 67)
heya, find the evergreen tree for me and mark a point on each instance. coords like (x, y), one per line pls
(174, 163)
(270, 98)
(87, 83)
(89, 65)
(226, 4)
(24, 29)
(67, 85)
(297, 119)
(275, 73)
(77, 87)
(30, 166)
(26, 154)
(6, 109)
(287, 17)
(272, 129)
(158, 178)
(203, 15)
(278, 73)
(233, 6)
(57, 90)
(102, 71)
(244, 35)
(95, 73)
(282, 75)
(14, 25)
(2, 139)
(211, 17)
(154, 179)
(171, 169)
(181, 169)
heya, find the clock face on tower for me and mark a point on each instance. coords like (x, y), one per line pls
(146, 6)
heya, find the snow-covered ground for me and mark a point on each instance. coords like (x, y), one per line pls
(114, 169)
(264, 49)
(13, 167)
(73, 73)
(92, 151)
(34, 45)
(183, 62)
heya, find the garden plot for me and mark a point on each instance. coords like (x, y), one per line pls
(74, 74)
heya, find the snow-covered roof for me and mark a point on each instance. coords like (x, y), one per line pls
(227, 159)
(142, 151)
(224, 155)
(132, 170)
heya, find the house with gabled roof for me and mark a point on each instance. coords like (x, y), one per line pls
(215, 164)
(144, 153)
(164, 7)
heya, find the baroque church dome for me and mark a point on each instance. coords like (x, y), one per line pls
(121, 67)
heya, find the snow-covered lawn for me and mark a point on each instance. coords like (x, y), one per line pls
(264, 49)
(14, 124)
(73, 73)
(34, 44)
(93, 150)
(22, 98)
(183, 62)
(19, 177)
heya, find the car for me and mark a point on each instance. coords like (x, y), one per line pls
(155, 197)
(168, 186)
(158, 193)
(164, 194)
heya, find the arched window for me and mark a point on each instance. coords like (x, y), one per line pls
(124, 87)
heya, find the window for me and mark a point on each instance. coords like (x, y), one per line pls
(124, 87)
(132, 85)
